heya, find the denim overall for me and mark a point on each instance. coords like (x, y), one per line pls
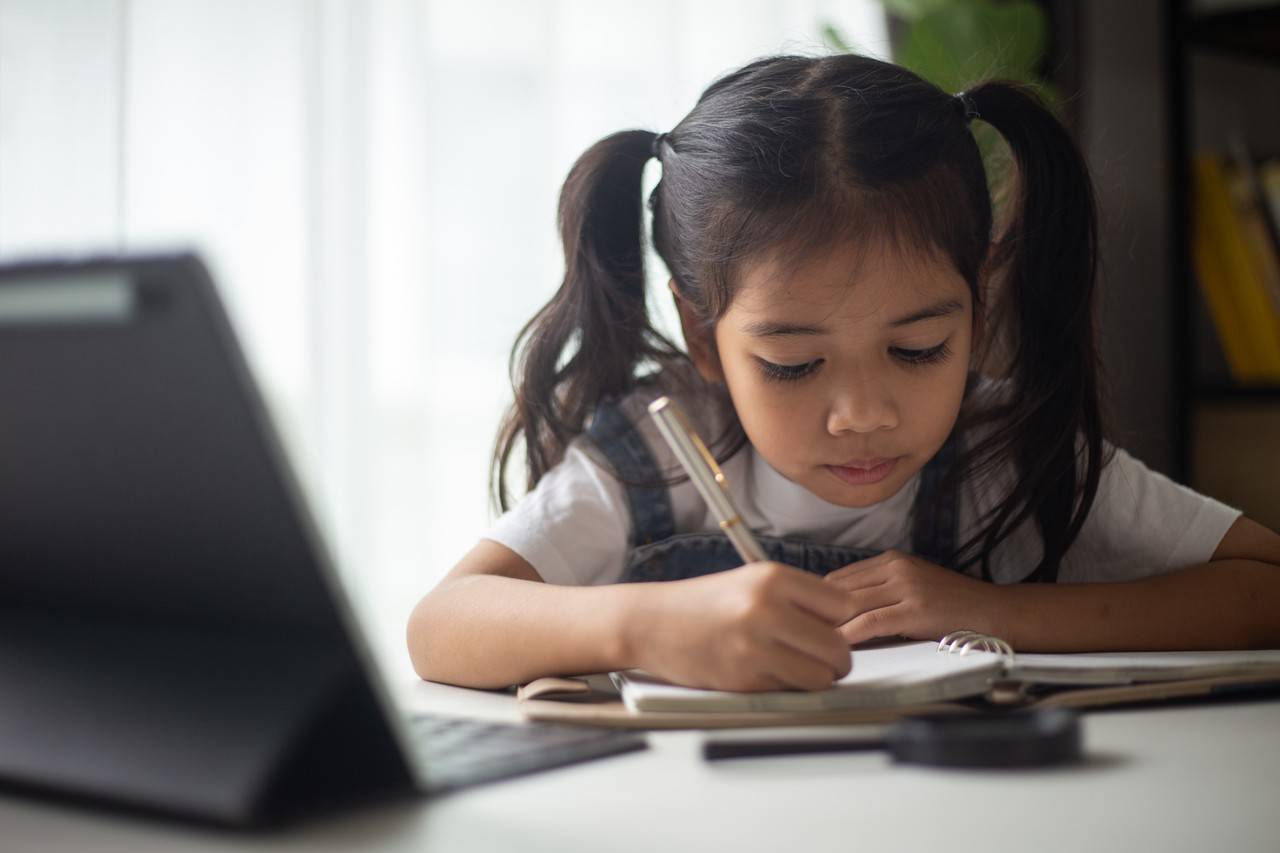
(657, 553)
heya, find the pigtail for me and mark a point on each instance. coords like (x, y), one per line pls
(586, 343)
(1052, 424)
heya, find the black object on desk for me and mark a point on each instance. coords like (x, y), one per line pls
(1028, 738)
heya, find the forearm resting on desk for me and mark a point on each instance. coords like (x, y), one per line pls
(765, 626)
(1227, 604)
(492, 631)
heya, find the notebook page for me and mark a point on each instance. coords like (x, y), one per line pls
(1102, 668)
(882, 677)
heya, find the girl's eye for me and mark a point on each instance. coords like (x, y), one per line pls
(916, 357)
(787, 372)
(910, 357)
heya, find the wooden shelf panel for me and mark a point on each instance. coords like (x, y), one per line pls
(1235, 457)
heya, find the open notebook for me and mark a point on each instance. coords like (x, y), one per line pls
(901, 675)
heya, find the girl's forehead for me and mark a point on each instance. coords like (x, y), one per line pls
(846, 279)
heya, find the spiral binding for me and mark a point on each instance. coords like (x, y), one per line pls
(963, 642)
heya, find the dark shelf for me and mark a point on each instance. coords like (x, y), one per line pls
(1223, 434)
(1247, 33)
(1237, 394)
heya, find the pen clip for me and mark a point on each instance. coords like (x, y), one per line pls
(696, 441)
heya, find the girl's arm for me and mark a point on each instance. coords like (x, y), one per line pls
(1231, 602)
(492, 622)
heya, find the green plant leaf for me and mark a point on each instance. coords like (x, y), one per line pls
(945, 47)
(974, 40)
(914, 10)
(1019, 34)
(832, 38)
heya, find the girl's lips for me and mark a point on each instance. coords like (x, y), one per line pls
(863, 476)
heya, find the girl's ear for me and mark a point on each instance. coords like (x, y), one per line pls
(698, 339)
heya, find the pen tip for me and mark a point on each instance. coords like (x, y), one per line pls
(658, 404)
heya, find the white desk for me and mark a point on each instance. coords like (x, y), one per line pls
(1203, 778)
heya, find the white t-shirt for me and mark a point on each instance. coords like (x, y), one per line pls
(574, 526)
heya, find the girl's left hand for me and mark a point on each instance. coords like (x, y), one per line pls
(897, 594)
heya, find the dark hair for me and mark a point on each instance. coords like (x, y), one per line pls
(789, 155)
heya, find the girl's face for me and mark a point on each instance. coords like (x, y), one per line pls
(848, 373)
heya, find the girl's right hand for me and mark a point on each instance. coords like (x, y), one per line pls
(764, 626)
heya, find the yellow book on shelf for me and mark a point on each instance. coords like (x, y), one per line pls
(1211, 273)
(1231, 276)
(1262, 251)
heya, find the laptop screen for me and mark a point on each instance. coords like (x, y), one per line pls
(138, 470)
(168, 612)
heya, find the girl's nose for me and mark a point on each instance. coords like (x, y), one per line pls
(861, 407)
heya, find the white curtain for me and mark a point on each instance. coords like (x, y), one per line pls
(373, 185)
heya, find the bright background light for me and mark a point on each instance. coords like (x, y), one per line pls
(374, 187)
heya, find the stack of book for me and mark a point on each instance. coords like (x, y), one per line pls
(1236, 246)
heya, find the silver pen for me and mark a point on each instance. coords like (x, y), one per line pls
(706, 475)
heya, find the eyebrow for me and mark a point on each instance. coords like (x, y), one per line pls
(770, 328)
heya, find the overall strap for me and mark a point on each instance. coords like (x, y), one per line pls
(652, 518)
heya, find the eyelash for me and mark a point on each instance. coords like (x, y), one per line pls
(909, 357)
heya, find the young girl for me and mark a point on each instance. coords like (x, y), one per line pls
(827, 226)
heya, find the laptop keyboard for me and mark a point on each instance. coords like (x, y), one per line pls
(460, 751)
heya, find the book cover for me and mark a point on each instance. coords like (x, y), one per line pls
(1231, 276)
(1211, 275)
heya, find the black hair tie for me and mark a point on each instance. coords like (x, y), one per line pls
(966, 103)
(655, 147)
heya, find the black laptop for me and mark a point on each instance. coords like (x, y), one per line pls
(173, 634)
